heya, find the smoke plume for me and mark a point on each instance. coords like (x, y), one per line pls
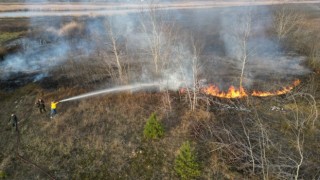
(176, 47)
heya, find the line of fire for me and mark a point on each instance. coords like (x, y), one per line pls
(234, 92)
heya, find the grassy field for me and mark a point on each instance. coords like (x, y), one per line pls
(102, 137)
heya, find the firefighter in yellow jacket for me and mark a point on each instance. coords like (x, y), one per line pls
(53, 108)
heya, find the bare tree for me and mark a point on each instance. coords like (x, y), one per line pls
(250, 148)
(263, 141)
(114, 44)
(299, 118)
(153, 25)
(240, 36)
(196, 67)
(189, 67)
(243, 38)
(299, 146)
(160, 36)
(160, 33)
(285, 20)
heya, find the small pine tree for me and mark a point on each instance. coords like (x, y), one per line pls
(185, 163)
(153, 129)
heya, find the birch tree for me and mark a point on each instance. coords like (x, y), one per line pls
(115, 48)
(285, 21)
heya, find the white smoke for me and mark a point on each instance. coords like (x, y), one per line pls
(176, 61)
(264, 54)
(67, 29)
(34, 60)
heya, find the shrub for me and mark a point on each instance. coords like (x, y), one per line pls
(3, 175)
(185, 163)
(153, 129)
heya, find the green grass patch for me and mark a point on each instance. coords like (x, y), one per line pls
(7, 36)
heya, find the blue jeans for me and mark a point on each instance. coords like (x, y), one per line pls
(53, 112)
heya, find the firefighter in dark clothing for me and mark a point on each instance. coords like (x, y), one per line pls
(14, 121)
(40, 104)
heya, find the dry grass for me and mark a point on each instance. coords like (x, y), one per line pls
(102, 136)
(102, 130)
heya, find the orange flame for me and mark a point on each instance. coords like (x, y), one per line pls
(284, 90)
(240, 93)
(232, 92)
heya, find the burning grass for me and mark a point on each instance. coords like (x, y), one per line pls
(240, 93)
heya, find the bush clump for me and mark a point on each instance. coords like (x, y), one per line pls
(153, 128)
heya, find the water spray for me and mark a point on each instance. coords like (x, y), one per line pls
(114, 90)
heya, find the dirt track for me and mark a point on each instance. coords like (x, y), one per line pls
(92, 9)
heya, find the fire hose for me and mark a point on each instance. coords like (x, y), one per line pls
(27, 161)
